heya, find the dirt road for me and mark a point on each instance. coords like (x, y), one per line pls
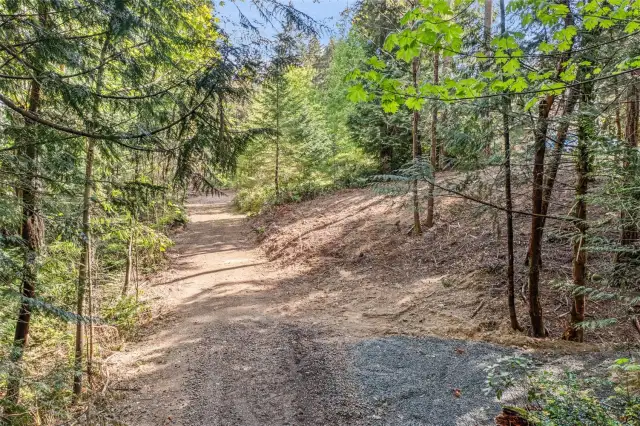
(229, 354)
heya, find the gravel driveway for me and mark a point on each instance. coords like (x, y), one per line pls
(425, 381)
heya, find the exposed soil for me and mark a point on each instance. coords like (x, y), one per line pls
(221, 355)
(303, 328)
(355, 251)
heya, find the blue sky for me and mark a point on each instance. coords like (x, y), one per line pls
(325, 11)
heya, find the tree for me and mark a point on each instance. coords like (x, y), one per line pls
(629, 232)
(506, 134)
(417, 155)
(434, 143)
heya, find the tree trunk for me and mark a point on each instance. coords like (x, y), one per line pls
(507, 195)
(618, 120)
(386, 154)
(434, 145)
(535, 306)
(554, 165)
(629, 233)
(442, 154)
(32, 233)
(85, 266)
(488, 20)
(84, 270)
(277, 159)
(417, 155)
(585, 134)
(537, 198)
(128, 267)
(90, 281)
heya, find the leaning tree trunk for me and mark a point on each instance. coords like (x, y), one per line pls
(537, 198)
(535, 306)
(434, 146)
(585, 133)
(417, 155)
(552, 171)
(32, 233)
(507, 195)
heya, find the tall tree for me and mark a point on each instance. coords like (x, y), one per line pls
(434, 144)
(32, 232)
(84, 271)
(506, 134)
(628, 218)
(417, 152)
(583, 164)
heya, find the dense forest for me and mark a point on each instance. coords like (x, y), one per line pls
(114, 111)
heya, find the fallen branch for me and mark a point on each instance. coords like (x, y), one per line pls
(636, 324)
(478, 309)
(523, 293)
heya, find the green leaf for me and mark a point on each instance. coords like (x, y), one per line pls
(441, 7)
(590, 22)
(357, 93)
(632, 27)
(376, 63)
(553, 88)
(373, 76)
(511, 66)
(407, 53)
(559, 9)
(390, 107)
(519, 85)
(569, 74)
(353, 75)
(606, 23)
(414, 104)
(545, 47)
(391, 42)
(530, 104)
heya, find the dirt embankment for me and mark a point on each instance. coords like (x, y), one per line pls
(359, 269)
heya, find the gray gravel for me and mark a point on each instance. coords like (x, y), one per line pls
(267, 373)
(411, 381)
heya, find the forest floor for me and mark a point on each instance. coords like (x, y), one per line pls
(332, 319)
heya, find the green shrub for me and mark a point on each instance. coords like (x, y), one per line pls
(125, 313)
(174, 217)
(569, 399)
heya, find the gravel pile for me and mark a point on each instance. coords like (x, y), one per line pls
(426, 381)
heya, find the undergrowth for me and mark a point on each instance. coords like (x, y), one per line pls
(46, 368)
(542, 397)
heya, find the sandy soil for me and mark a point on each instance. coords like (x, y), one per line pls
(220, 356)
(301, 330)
